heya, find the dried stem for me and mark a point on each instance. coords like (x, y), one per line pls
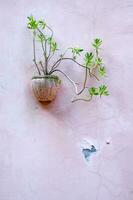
(84, 84)
(91, 74)
(81, 99)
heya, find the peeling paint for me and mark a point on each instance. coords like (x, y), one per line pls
(89, 147)
(87, 152)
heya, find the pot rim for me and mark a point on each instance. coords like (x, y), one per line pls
(46, 77)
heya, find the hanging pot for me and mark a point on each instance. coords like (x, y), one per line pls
(45, 87)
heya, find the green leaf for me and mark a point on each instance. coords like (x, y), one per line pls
(93, 91)
(41, 37)
(49, 39)
(53, 46)
(77, 51)
(97, 43)
(102, 71)
(41, 24)
(98, 61)
(89, 59)
(103, 90)
(32, 23)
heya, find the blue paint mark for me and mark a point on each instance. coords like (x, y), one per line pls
(88, 152)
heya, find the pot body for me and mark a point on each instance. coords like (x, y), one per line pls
(45, 87)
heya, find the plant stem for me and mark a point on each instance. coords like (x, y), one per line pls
(34, 53)
(44, 53)
(51, 39)
(44, 48)
(91, 74)
(74, 84)
(50, 57)
(42, 67)
(46, 58)
(81, 99)
(97, 52)
(59, 61)
(84, 84)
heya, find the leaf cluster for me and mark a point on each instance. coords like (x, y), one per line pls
(53, 44)
(41, 24)
(101, 90)
(98, 61)
(76, 51)
(97, 43)
(102, 71)
(33, 24)
(89, 59)
(41, 37)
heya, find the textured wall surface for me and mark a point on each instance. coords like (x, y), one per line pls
(40, 146)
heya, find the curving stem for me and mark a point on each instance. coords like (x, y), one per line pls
(81, 99)
(74, 84)
(57, 63)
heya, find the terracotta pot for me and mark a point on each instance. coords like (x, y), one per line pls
(45, 87)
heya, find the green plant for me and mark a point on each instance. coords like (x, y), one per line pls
(43, 34)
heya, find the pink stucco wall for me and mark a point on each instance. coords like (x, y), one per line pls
(40, 146)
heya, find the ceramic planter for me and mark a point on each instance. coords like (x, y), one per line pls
(45, 87)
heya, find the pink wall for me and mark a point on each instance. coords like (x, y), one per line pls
(40, 154)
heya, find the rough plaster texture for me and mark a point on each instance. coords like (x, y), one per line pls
(40, 154)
